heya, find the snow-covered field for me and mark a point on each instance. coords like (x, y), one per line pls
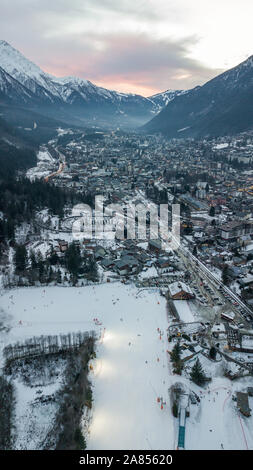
(217, 424)
(126, 414)
(131, 369)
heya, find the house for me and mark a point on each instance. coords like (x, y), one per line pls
(126, 265)
(188, 353)
(163, 265)
(108, 263)
(247, 281)
(99, 253)
(180, 291)
(155, 245)
(243, 403)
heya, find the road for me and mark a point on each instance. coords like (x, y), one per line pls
(210, 277)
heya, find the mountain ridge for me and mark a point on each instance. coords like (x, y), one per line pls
(79, 96)
(222, 105)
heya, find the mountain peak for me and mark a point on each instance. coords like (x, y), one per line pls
(15, 63)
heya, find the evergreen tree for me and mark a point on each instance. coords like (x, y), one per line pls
(225, 275)
(197, 374)
(175, 353)
(33, 260)
(53, 258)
(73, 259)
(20, 258)
(212, 353)
(59, 277)
(41, 267)
(176, 359)
(92, 270)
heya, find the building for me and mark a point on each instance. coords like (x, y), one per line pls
(243, 403)
(229, 316)
(155, 245)
(180, 291)
(163, 265)
(126, 265)
(235, 229)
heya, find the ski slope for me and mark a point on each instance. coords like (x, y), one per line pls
(131, 369)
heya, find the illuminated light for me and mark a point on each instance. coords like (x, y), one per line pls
(99, 424)
(104, 369)
(114, 340)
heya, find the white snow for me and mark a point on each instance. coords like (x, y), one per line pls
(184, 311)
(221, 146)
(131, 369)
(125, 386)
(217, 424)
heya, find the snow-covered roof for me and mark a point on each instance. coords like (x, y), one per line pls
(177, 287)
(183, 310)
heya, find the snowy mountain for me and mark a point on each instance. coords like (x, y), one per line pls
(61, 96)
(12, 90)
(224, 105)
(162, 99)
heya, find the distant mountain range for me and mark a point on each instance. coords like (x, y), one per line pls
(71, 99)
(224, 105)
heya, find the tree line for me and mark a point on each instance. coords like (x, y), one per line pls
(42, 345)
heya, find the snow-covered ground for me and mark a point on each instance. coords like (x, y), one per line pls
(131, 369)
(33, 417)
(126, 414)
(217, 424)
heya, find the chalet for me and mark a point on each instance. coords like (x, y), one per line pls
(155, 245)
(163, 265)
(180, 291)
(108, 263)
(99, 253)
(188, 353)
(126, 265)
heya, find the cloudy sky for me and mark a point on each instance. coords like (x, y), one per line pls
(140, 46)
